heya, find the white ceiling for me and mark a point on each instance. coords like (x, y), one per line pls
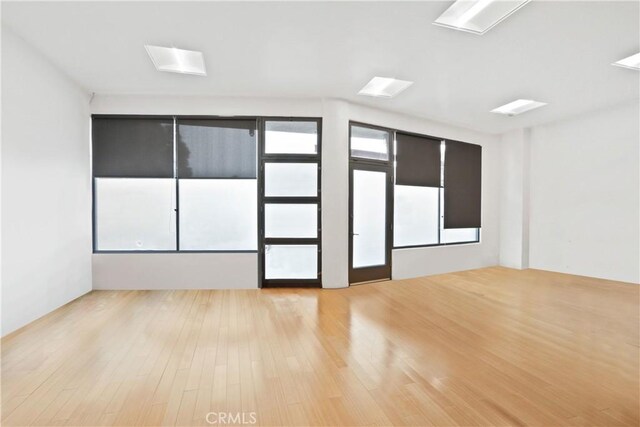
(556, 52)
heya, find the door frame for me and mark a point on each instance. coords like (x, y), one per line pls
(381, 272)
(264, 158)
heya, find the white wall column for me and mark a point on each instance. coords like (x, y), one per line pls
(514, 199)
(335, 194)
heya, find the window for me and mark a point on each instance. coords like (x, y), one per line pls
(218, 214)
(215, 148)
(165, 184)
(218, 185)
(135, 214)
(420, 177)
(133, 147)
(134, 189)
(455, 235)
(415, 216)
(291, 137)
(369, 143)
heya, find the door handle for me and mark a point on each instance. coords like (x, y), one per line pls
(355, 234)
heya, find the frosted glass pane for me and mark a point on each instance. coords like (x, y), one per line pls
(291, 261)
(459, 235)
(415, 215)
(135, 214)
(369, 143)
(289, 220)
(369, 218)
(218, 214)
(291, 179)
(291, 137)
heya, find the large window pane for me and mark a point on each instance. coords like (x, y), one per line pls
(369, 218)
(291, 179)
(415, 216)
(291, 262)
(291, 220)
(291, 137)
(218, 214)
(369, 143)
(217, 148)
(135, 214)
(133, 147)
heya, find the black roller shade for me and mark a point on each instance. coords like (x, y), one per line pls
(462, 185)
(212, 148)
(132, 147)
(418, 160)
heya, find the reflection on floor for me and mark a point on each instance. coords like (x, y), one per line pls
(483, 347)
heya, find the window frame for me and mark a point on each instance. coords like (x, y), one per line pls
(94, 240)
(392, 163)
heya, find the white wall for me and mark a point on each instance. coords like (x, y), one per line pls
(46, 193)
(585, 216)
(514, 199)
(175, 271)
(414, 262)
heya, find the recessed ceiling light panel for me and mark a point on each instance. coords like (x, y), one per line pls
(632, 62)
(478, 16)
(518, 107)
(384, 87)
(173, 60)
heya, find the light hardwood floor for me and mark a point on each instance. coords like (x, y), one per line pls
(484, 347)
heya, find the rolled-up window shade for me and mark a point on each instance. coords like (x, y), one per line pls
(212, 148)
(132, 147)
(418, 160)
(462, 185)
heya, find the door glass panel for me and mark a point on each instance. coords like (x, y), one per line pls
(291, 261)
(291, 220)
(369, 218)
(291, 179)
(369, 143)
(293, 137)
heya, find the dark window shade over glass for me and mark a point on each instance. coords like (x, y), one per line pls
(462, 185)
(217, 148)
(133, 147)
(418, 160)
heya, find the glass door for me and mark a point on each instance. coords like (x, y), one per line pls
(290, 228)
(370, 203)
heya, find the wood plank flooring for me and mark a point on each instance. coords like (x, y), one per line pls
(483, 347)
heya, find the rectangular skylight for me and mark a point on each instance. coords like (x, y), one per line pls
(173, 60)
(518, 107)
(384, 87)
(631, 62)
(478, 16)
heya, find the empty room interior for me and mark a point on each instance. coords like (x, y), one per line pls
(301, 213)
